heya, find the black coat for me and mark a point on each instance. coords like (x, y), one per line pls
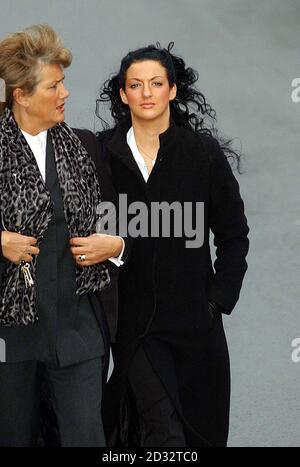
(165, 287)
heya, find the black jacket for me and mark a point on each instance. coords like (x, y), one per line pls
(167, 275)
(165, 287)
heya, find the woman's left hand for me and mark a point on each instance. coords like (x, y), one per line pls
(95, 249)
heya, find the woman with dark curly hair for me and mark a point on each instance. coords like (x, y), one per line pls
(171, 381)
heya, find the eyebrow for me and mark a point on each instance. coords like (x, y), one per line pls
(57, 80)
(154, 77)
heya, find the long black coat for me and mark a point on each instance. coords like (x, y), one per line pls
(165, 287)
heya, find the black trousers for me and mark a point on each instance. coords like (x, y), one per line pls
(76, 393)
(159, 424)
(196, 372)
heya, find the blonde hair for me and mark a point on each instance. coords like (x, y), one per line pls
(22, 54)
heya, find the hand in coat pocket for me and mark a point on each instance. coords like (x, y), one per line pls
(213, 309)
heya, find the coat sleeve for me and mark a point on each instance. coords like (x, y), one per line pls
(97, 149)
(89, 141)
(228, 223)
(102, 140)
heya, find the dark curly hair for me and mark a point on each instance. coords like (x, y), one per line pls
(189, 109)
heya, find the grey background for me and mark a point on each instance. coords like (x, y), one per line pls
(247, 53)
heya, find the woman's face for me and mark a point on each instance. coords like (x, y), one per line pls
(45, 107)
(147, 91)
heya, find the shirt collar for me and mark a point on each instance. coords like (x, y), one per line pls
(133, 146)
(41, 137)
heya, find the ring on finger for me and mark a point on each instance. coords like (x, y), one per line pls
(81, 258)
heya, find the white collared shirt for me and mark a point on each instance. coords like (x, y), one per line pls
(38, 145)
(137, 155)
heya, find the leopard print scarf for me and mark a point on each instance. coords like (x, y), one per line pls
(26, 208)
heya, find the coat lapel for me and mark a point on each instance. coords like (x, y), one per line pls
(51, 173)
(123, 154)
(120, 150)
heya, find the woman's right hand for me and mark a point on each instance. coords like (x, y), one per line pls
(17, 247)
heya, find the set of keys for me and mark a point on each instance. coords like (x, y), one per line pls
(25, 269)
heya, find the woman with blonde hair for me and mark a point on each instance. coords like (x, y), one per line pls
(51, 320)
